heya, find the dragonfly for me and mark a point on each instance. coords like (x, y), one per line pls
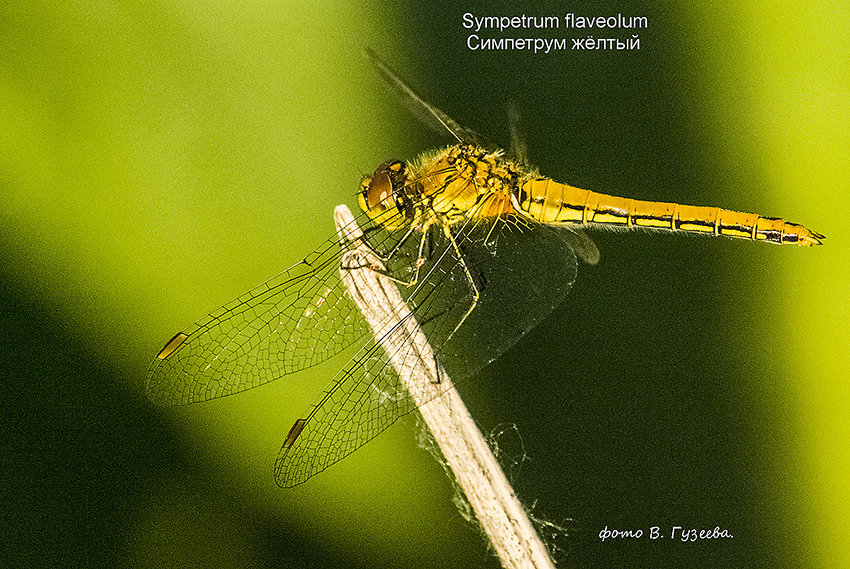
(481, 246)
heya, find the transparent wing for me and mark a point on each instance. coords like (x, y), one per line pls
(295, 320)
(431, 116)
(584, 247)
(518, 149)
(360, 403)
(522, 271)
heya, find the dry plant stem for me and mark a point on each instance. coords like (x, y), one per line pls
(475, 467)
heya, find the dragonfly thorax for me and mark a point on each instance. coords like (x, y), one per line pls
(445, 187)
(466, 181)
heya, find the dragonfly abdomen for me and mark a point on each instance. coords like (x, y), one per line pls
(548, 201)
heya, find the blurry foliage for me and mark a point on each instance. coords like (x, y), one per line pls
(157, 159)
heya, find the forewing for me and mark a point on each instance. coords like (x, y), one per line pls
(293, 321)
(430, 115)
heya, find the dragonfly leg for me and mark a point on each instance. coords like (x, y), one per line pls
(384, 259)
(476, 294)
(421, 258)
(394, 251)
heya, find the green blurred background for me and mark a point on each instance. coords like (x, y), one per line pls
(159, 158)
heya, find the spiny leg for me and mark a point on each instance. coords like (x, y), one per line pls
(421, 257)
(398, 246)
(385, 259)
(476, 295)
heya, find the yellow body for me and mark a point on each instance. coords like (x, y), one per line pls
(305, 315)
(465, 181)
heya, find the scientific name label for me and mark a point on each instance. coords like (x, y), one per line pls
(487, 30)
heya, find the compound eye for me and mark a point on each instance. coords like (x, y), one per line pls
(380, 189)
(383, 186)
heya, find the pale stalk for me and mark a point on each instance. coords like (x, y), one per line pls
(467, 453)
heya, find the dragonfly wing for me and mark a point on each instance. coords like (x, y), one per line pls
(583, 246)
(522, 273)
(518, 150)
(363, 400)
(430, 115)
(293, 321)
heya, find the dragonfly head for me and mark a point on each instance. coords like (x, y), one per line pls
(382, 196)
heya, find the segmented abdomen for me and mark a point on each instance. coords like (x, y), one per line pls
(550, 202)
